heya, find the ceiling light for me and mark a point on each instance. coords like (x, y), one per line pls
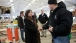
(40, 8)
(12, 4)
(11, 0)
(62, 0)
(29, 5)
(13, 9)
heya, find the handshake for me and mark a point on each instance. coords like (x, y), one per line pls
(50, 29)
(40, 28)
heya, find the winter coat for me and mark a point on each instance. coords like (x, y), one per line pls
(43, 18)
(20, 22)
(61, 20)
(31, 32)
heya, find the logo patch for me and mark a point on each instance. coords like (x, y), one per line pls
(55, 16)
(43, 16)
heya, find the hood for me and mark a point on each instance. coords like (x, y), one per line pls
(61, 5)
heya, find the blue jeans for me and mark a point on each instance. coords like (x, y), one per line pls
(61, 39)
(22, 34)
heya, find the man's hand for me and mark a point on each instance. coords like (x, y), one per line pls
(40, 28)
(51, 29)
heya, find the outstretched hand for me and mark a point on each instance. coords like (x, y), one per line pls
(51, 29)
(40, 28)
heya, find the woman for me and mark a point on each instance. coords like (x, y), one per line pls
(35, 16)
(31, 33)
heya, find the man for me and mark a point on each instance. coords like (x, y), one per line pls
(60, 22)
(43, 19)
(16, 18)
(35, 16)
(21, 24)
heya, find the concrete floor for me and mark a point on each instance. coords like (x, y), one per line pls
(48, 38)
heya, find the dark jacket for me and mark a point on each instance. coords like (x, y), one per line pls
(43, 18)
(61, 21)
(20, 22)
(34, 16)
(31, 33)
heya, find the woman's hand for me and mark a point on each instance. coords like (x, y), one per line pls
(40, 28)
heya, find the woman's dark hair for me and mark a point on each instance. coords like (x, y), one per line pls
(26, 13)
(26, 16)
